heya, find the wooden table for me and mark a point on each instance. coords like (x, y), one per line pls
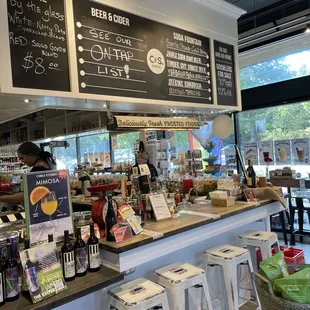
(76, 289)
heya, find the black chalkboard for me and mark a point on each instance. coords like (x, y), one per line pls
(225, 74)
(121, 54)
(38, 44)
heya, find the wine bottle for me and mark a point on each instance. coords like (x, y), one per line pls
(110, 220)
(11, 275)
(80, 255)
(50, 238)
(251, 176)
(2, 284)
(32, 277)
(93, 251)
(67, 259)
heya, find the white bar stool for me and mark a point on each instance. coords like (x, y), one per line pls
(179, 277)
(140, 294)
(264, 240)
(229, 258)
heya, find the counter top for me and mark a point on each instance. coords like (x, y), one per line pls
(183, 223)
(78, 288)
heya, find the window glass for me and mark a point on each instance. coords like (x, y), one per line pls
(285, 122)
(66, 158)
(95, 148)
(276, 70)
(124, 150)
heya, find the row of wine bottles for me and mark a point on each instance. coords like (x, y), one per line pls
(78, 258)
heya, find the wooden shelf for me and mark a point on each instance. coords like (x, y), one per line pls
(78, 288)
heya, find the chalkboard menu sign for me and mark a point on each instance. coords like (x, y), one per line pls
(38, 44)
(225, 74)
(121, 54)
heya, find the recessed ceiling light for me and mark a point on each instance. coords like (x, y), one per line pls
(211, 112)
(104, 105)
(27, 100)
(308, 28)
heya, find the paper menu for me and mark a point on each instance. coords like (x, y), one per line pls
(251, 152)
(300, 151)
(266, 152)
(160, 206)
(283, 152)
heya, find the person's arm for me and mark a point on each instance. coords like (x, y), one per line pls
(14, 198)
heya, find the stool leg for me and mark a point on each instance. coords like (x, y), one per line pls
(165, 304)
(207, 293)
(194, 298)
(177, 299)
(266, 252)
(283, 226)
(231, 288)
(277, 247)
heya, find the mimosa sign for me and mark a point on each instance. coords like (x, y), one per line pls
(47, 204)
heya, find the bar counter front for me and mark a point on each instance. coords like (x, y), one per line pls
(186, 237)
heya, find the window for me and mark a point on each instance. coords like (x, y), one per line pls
(66, 157)
(124, 148)
(283, 122)
(276, 70)
(95, 148)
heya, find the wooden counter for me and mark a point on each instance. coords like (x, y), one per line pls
(78, 288)
(183, 223)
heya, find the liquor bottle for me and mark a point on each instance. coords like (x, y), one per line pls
(110, 220)
(251, 176)
(80, 255)
(11, 275)
(50, 238)
(32, 277)
(93, 251)
(67, 259)
(2, 284)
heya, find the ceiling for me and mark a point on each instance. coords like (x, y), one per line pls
(269, 21)
(14, 106)
(252, 5)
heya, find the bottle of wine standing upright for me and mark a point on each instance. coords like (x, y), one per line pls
(110, 220)
(67, 259)
(80, 255)
(11, 275)
(93, 251)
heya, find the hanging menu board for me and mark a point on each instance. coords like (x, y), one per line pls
(121, 54)
(225, 74)
(38, 44)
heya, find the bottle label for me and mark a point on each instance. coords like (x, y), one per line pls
(11, 275)
(249, 181)
(69, 265)
(31, 275)
(81, 260)
(94, 257)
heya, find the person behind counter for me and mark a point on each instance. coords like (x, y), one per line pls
(31, 155)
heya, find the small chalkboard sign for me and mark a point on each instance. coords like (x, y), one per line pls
(225, 74)
(38, 44)
(125, 55)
